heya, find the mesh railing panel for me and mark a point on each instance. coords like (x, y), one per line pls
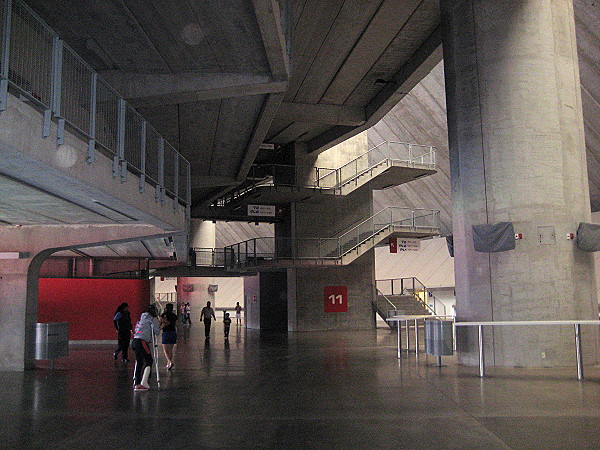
(169, 169)
(30, 62)
(133, 138)
(107, 117)
(76, 91)
(184, 174)
(152, 148)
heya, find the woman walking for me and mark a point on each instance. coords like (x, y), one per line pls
(169, 335)
(122, 321)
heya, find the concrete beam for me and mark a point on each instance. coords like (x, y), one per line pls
(415, 69)
(212, 181)
(326, 114)
(153, 89)
(268, 16)
(269, 109)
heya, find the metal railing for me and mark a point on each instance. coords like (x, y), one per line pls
(207, 257)
(166, 297)
(529, 323)
(383, 305)
(254, 251)
(37, 65)
(384, 154)
(412, 286)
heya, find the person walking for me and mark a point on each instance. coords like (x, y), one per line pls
(169, 333)
(142, 346)
(206, 315)
(188, 313)
(238, 314)
(226, 325)
(122, 322)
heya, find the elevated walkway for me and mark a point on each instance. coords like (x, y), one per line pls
(386, 165)
(273, 253)
(72, 150)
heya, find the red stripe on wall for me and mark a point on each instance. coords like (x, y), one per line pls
(88, 305)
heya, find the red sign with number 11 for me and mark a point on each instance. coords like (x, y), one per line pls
(335, 298)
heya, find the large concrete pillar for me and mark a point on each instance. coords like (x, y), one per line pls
(517, 154)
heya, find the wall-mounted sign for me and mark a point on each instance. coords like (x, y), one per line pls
(409, 245)
(335, 298)
(262, 210)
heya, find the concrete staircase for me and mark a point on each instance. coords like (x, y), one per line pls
(409, 304)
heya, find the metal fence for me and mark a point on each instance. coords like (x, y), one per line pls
(37, 65)
(393, 219)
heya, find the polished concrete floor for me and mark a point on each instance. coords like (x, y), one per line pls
(318, 390)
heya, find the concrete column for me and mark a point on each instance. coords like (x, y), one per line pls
(328, 219)
(203, 234)
(517, 154)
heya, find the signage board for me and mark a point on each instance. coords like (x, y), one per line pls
(335, 298)
(409, 245)
(262, 210)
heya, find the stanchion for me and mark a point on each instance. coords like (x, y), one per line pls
(155, 345)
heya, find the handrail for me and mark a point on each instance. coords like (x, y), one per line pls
(384, 155)
(376, 228)
(339, 176)
(325, 248)
(414, 281)
(40, 67)
(481, 347)
(378, 293)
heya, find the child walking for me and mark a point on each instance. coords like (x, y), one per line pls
(226, 324)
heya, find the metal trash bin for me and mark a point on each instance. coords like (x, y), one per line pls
(439, 340)
(51, 340)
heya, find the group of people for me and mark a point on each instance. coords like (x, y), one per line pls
(146, 332)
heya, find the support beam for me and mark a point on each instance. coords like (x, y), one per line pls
(153, 89)
(269, 109)
(268, 16)
(325, 114)
(210, 181)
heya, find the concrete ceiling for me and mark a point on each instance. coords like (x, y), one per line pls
(220, 78)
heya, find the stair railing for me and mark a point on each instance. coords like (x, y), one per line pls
(383, 306)
(385, 152)
(246, 253)
(412, 286)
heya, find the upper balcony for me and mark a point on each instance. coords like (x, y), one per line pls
(69, 138)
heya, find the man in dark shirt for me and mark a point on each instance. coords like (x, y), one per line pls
(206, 315)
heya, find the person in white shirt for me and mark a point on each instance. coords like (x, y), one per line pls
(142, 346)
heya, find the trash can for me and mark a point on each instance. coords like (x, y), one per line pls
(51, 340)
(439, 340)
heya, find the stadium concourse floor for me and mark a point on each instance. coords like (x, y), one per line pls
(305, 390)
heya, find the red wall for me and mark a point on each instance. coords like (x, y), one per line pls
(88, 305)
